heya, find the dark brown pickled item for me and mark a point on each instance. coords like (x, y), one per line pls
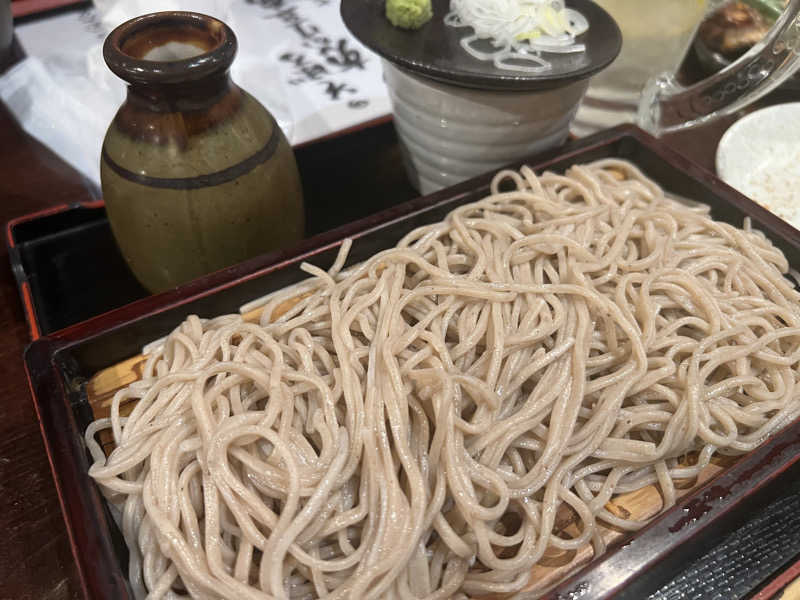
(733, 29)
(196, 173)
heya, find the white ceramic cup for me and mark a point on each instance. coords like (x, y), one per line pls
(449, 134)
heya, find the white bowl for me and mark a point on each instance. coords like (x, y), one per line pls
(759, 155)
(449, 133)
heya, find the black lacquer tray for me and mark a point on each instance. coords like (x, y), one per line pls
(59, 365)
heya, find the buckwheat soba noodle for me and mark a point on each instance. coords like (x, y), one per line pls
(411, 427)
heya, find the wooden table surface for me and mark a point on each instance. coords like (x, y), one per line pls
(35, 558)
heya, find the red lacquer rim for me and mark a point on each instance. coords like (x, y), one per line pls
(26, 295)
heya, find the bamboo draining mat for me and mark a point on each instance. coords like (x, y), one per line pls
(792, 591)
(554, 567)
(101, 388)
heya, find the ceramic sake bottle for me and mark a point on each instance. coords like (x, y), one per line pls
(196, 173)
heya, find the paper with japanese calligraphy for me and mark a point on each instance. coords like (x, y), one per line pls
(295, 56)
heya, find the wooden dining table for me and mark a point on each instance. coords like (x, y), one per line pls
(35, 557)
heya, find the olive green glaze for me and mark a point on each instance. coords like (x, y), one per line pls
(170, 236)
(196, 176)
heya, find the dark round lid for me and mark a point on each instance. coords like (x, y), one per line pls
(435, 51)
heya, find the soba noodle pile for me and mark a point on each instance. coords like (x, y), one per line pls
(412, 427)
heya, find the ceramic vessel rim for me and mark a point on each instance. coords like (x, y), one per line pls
(363, 24)
(138, 70)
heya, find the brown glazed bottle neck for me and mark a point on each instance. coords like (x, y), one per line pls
(181, 97)
(171, 115)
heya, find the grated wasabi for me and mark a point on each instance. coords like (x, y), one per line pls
(409, 14)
